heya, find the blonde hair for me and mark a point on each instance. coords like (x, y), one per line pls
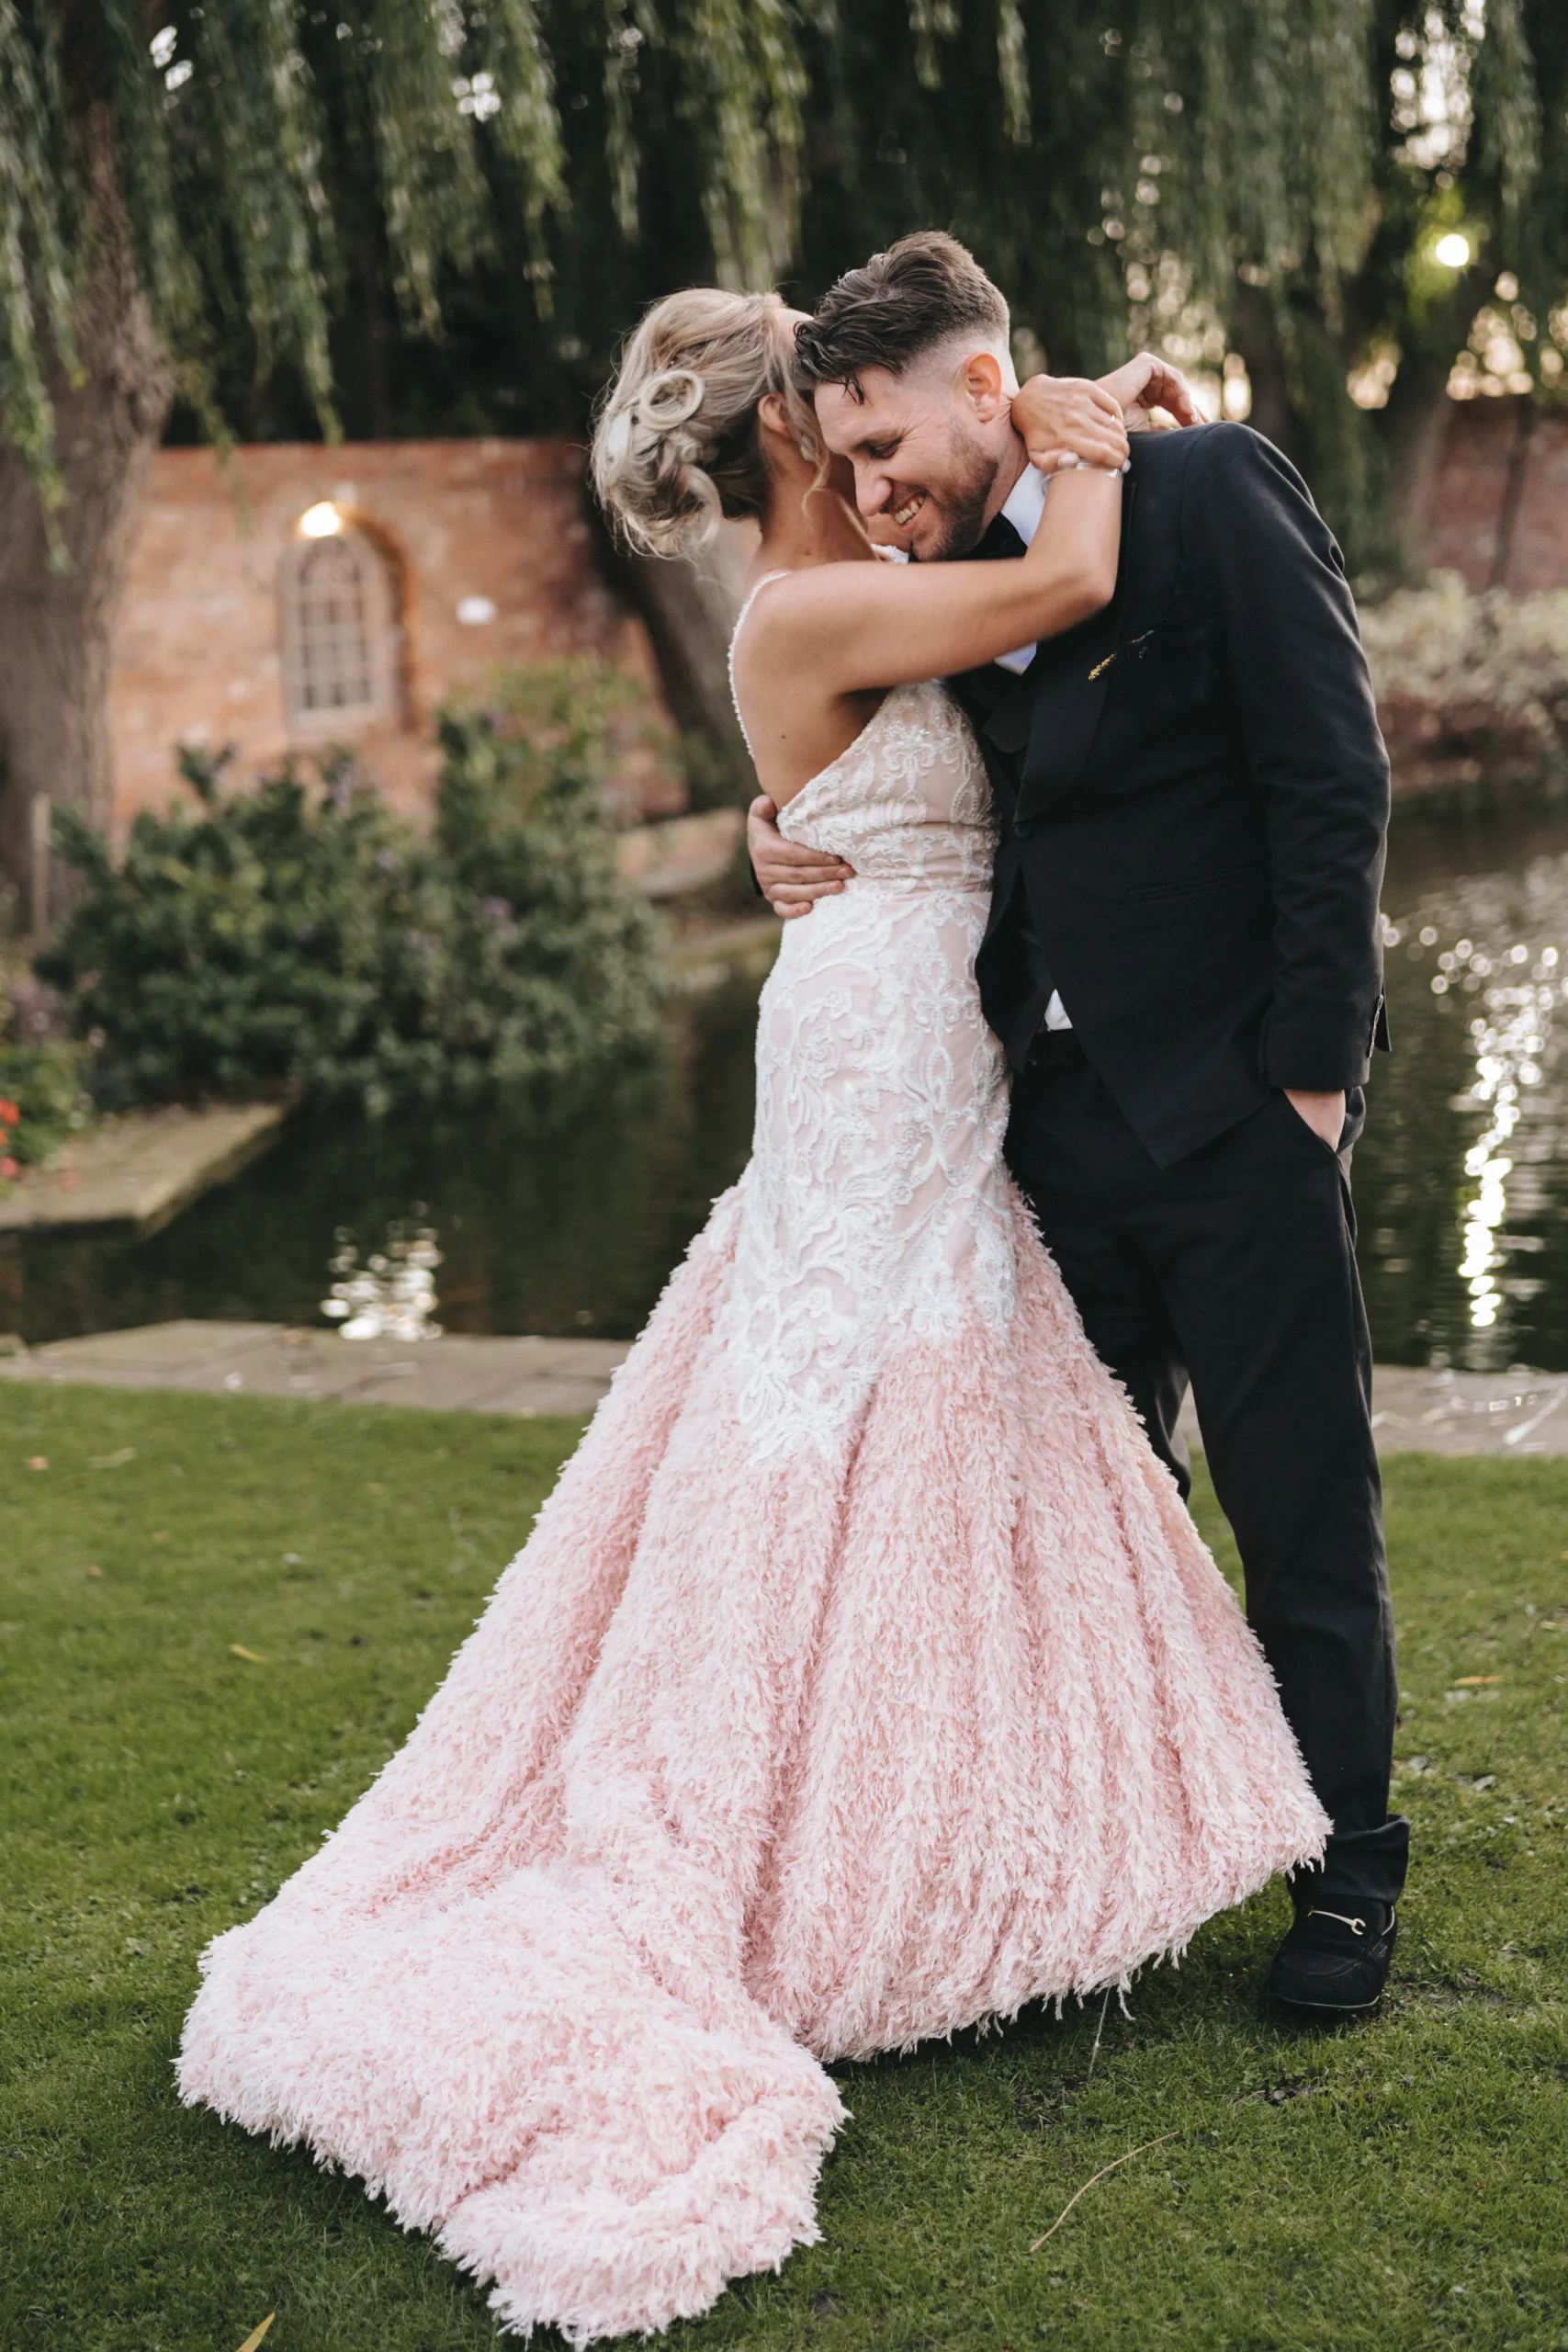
(677, 443)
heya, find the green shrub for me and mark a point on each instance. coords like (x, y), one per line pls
(299, 938)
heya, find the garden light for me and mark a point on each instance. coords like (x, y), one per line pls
(1452, 251)
(322, 521)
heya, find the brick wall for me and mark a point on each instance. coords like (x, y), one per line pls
(491, 524)
(1498, 512)
(501, 524)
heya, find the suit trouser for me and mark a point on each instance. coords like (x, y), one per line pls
(1235, 1269)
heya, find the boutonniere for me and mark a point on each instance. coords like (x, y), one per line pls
(1135, 645)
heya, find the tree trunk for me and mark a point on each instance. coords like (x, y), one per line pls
(1410, 429)
(1259, 344)
(57, 623)
(689, 609)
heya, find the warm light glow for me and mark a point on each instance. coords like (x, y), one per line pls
(322, 521)
(1452, 251)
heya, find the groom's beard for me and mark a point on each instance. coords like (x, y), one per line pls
(961, 509)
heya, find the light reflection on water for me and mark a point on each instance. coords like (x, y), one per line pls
(1509, 1041)
(1461, 1182)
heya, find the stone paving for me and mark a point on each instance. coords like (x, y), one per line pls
(527, 1376)
(1511, 1414)
(139, 1168)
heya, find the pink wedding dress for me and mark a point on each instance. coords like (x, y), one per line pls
(862, 1680)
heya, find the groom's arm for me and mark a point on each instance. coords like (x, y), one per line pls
(1303, 699)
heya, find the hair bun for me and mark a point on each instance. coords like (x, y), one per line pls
(676, 445)
(669, 398)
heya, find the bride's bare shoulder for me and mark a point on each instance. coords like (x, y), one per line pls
(809, 593)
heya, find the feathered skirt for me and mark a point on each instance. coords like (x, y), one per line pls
(863, 1678)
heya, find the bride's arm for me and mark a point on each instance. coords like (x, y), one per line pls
(1049, 412)
(853, 626)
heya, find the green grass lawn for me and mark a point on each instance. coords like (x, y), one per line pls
(1401, 2185)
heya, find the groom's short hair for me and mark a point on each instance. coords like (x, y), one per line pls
(920, 293)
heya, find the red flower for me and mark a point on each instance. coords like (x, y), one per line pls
(9, 1168)
(10, 1112)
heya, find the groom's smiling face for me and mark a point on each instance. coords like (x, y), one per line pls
(933, 448)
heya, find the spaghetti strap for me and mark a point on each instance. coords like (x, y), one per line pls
(766, 582)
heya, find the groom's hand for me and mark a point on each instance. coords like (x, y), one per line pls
(1325, 1114)
(1064, 421)
(791, 877)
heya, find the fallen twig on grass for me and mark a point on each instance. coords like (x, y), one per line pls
(1100, 2176)
(257, 2334)
(1098, 2030)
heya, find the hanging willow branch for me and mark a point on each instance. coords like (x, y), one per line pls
(1070, 139)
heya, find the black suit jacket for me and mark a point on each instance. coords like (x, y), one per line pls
(1193, 795)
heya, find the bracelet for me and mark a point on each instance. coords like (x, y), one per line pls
(1082, 466)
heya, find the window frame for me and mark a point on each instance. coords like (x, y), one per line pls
(381, 636)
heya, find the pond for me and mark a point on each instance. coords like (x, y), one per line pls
(568, 1222)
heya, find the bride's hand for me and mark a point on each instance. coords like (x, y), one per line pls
(1064, 421)
(1146, 383)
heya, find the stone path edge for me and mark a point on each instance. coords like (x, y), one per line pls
(1509, 1415)
(138, 1168)
(526, 1377)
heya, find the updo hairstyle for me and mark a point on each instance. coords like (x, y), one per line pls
(678, 443)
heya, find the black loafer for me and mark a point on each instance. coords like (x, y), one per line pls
(1335, 1961)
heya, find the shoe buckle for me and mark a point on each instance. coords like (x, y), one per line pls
(1356, 1927)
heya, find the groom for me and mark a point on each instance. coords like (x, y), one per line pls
(1182, 963)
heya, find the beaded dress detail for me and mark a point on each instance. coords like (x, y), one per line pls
(862, 1679)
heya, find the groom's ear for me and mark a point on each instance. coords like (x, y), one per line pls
(980, 384)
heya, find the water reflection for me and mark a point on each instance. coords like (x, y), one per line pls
(570, 1222)
(1510, 1040)
(392, 1295)
(561, 1216)
(1466, 1145)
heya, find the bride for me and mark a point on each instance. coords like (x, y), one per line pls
(864, 1677)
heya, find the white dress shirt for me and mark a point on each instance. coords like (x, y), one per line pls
(1023, 506)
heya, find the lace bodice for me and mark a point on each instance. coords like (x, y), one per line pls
(875, 1213)
(909, 800)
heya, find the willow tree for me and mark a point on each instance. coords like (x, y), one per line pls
(257, 211)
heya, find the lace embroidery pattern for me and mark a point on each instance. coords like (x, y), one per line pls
(875, 1210)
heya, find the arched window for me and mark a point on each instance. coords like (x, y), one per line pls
(337, 633)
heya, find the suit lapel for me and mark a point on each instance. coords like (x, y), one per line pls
(1069, 694)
